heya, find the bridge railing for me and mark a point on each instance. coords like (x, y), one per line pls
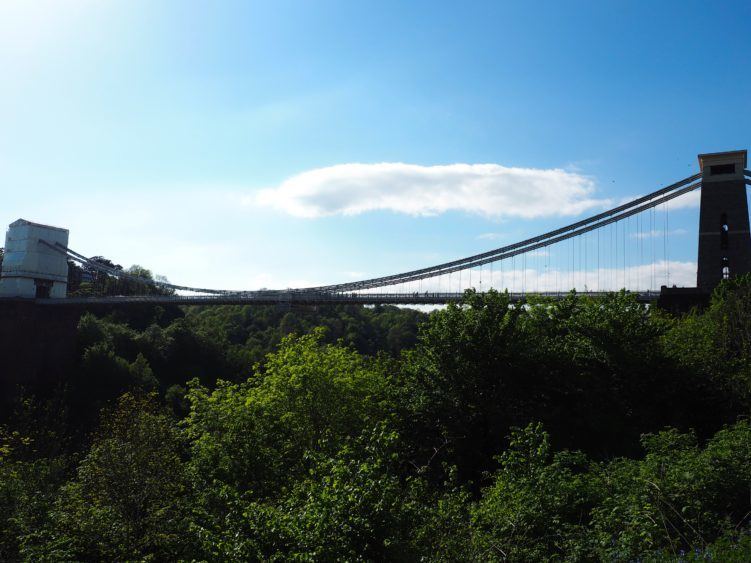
(321, 298)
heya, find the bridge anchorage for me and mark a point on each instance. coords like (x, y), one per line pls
(624, 247)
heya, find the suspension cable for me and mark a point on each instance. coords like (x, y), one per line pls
(496, 254)
(605, 218)
(543, 242)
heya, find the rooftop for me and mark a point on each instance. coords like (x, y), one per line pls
(24, 222)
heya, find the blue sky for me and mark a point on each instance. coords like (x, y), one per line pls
(209, 141)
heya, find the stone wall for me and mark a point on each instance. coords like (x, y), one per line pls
(37, 343)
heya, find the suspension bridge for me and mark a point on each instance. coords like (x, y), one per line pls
(626, 247)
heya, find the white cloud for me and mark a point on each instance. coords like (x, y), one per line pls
(489, 190)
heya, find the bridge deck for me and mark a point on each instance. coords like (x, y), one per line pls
(309, 298)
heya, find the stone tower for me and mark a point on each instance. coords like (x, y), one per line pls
(30, 268)
(724, 239)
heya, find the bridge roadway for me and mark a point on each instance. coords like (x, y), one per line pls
(293, 297)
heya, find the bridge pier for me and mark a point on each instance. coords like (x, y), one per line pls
(678, 300)
(30, 269)
(37, 345)
(724, 237)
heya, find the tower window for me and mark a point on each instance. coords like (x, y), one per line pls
(42, 288)
(725, 268)
(718, 169)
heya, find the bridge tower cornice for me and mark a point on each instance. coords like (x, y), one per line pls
(723, 166)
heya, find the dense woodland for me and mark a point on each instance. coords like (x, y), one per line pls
(574, 430)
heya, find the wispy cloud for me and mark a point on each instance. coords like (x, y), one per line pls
(490, 236)
(690, 200)
(489, 190)
(638, 277)
(354, 275)
(655, 233)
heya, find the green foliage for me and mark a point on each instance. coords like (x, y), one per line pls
(116, 358)
(39, 429)
(354, 505)
(27, 495)
(84, 281)
(156, 349)
(574, 430)
(485, 366)
(539, 504)
(129, 496)
(253, 435)
(249, 333)
(351, 505)
(731, 312)
(458, 383)
(443, 532)
(679, 498)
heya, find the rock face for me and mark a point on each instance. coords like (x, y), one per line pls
(37, 343)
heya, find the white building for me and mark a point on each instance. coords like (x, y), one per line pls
(30, 268)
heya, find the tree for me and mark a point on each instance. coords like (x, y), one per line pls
(354, 506)
(679, 498)
(129, 497)
(538, 507)
(459, 385)
(27, 495)
(309, 397)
